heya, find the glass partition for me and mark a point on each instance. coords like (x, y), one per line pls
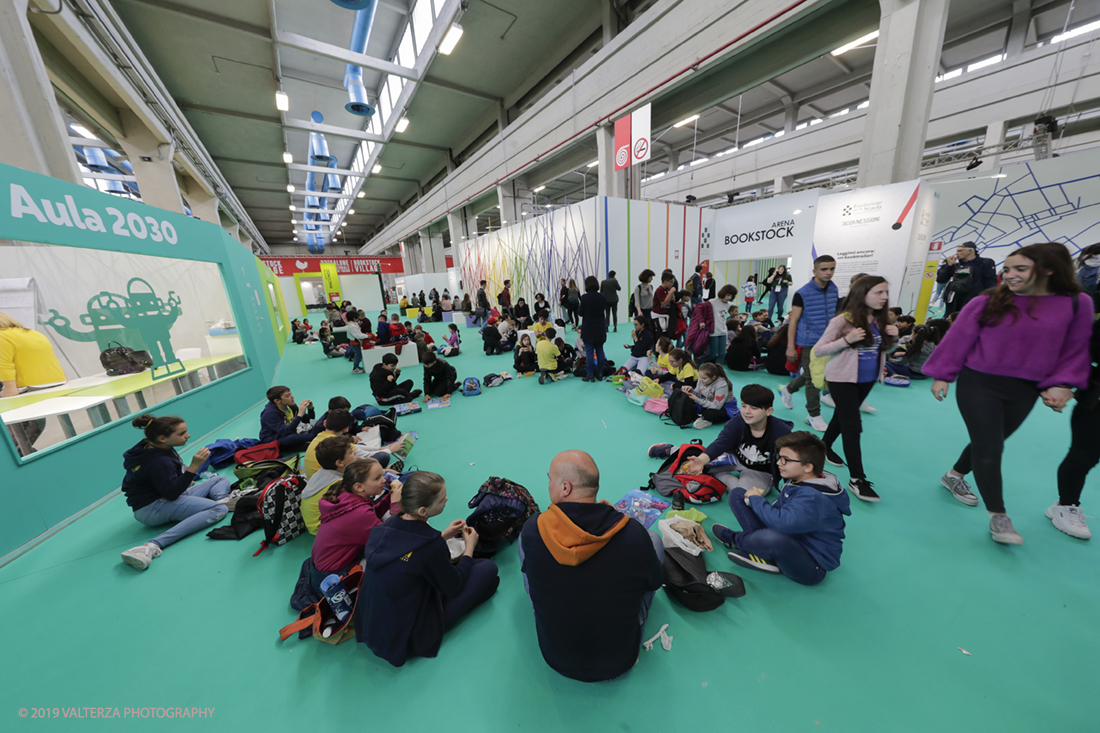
(128, 331)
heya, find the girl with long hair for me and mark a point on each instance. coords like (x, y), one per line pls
(856, 341)
(1025, 339)
(926, 338)
(711, 395)
(777, 284)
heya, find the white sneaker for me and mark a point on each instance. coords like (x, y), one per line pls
(1070, 520)
(817, 423)
(827, 399)
(785, 396)
(231, 500)
(702, 424)
(868, 409)
(142, 556)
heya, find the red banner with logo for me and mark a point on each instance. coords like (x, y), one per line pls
(622, 143)
(290, 266)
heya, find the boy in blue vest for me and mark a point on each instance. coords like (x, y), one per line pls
(813, 306)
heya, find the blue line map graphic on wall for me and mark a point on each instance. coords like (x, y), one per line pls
(1024, 209)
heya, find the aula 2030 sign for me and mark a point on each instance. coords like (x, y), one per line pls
(64, 214)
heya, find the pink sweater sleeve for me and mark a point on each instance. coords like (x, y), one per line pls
(949, 356)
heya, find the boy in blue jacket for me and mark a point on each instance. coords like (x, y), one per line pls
(280, 419)
(801, 534)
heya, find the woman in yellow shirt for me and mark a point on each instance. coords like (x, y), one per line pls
(27, 360)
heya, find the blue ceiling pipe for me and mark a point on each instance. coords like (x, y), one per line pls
(353, 75)
(354, 4)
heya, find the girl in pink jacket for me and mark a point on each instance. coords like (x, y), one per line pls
(857, 342)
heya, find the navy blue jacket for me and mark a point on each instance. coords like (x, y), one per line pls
(408, 574)
(643, 345)
(273, 423)
(593, 321)
(812, 512)
(818, 308)
(733, 433)
(153, 473)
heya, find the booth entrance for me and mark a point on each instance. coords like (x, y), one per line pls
(737, 272)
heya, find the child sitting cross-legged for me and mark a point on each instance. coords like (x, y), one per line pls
(452, 341)
(681, 369)
(350, 509)
(524, 360)
(801, 534)
(549, 357)
(711, 395)
(658, 361)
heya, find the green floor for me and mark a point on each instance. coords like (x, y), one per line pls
(876, 647)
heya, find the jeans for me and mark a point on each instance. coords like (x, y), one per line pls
(195, 509)
(902, 370)
(782, 550)
(480, 586)
(813, 394)
(594, 351)
(992, 407)
(1084, 454)
(716, 348)
(611, 315)
(355, 353)
(776, 300)
(647, 598)
(847, 422)
(637, 363)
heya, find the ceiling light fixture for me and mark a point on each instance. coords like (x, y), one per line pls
(290, 188)
(688, 121)
(593, 164)
(360, 195)
(402, 125)
(797, 212)
(288, 158)
(351, 212)
(454, 33)
(539, 189)
(377, 168)
(856, 43)
(293, 207)
(293, 221)
(282, 101)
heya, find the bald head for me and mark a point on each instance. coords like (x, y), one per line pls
(573, 477)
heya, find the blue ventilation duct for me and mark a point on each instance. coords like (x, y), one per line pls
(353, 76)
(354, 4)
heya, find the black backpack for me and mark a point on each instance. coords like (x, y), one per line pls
(681, 410)
(387, 427)
(689, 583)
(280, 504)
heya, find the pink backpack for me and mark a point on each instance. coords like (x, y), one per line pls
(657, 405)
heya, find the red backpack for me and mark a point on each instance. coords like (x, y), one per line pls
(668, 483)
(260, 452)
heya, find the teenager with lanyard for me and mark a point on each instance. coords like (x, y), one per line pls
(776, 285)
(1028, 338)
(856, 341)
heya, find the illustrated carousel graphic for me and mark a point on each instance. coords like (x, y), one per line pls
(139, 320)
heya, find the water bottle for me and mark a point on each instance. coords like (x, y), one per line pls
(337, 596)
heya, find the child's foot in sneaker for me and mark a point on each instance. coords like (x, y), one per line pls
(1000, 526)
(660, 450)
(960, 489)
(752, 562)
(142, 556)
(785, 396)
(861, 487)
(359, 371)
(701, 424)
(833, 458)
(723, 534)
(1069, 519)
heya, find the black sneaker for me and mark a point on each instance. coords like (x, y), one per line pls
(833, 458)
(415, 393)
(752, 562)
(542, 377)
(861, 487)
(723, 534)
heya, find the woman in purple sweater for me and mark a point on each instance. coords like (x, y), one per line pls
(1025, 339)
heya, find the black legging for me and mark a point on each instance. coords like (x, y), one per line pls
(1084, 454)
(611, 314)
(992, 407)
(847, 422)
(401, 392)
(713, 415)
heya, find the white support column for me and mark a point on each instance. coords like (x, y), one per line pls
(512, 195)
(783, 184)
(907, 59)
(611, 182)
(1020, 30)
(203, 204)
(151, 158)
(790, 118)
(431, 252)
(35, 138)
(410, 257)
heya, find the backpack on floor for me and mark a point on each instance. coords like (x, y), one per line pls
(259, 452)
(262, 472)
(318, 617)
(501, 507)
(495, 380)
(689, 583)
(223, 450)
(471, 387)
(280, 504)
(656, 405)
(386, 424)
(681, 410)
(667, 482)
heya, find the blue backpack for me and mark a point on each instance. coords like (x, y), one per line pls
(471, 386)
(1089, 277)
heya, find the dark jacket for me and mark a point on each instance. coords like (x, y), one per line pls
(609, 289)
(408, 575)
(812, 512)
(740, 353)
(383, 331)
(643, 345)
(380, 384)
(482, 299)
(525, 362)
(274, 425)
(593, 321)
(439, 373)
(153, 473)
(588, 567)
(733, 433)
(543, 307)
(974, 277)
(521, 311)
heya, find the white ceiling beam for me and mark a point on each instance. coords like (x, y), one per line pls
(319, 169)
(353, 134)
(347, 56)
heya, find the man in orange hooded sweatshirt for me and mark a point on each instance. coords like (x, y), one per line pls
(591, 573)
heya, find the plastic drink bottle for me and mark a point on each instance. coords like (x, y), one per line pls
(337, 596)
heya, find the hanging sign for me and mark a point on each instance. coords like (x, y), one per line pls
(632, 138)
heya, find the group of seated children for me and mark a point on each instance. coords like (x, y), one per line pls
(915, 347)
(499, 335)
(384, 385)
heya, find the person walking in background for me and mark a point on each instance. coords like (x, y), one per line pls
(710, 286)
(748, 291)
(1027, 339)
(643, 295)
(695, 286)
(609, 289)
(966, 275)
(813, 306)
(777, 284)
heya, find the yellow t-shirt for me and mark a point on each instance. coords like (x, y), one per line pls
(684, 373)
(547, 354)
(311, 509)
(310, 465)
(539, 328)
(27, 357)
(662, 363)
